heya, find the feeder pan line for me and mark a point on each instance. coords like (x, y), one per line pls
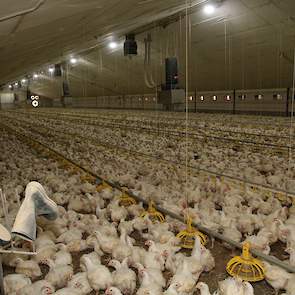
(279, 148)
(267, 258)
(216, 174)
(174, 133)
(201, 228)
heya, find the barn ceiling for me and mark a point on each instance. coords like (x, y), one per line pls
(245, 43)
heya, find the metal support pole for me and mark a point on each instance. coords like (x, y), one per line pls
(234, 102)
(287, 102)
(1, 277)
(196, 94)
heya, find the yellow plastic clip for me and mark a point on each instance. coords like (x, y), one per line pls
(246, 267)
(188, 235)
(153, 214)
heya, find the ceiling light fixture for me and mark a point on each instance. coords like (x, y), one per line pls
(51, 70)
(113, 45)
(24, 80)
(35, 76)
(10, 86)
(73, 60)
(209, 9)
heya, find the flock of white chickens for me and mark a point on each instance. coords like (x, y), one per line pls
(121, 253)
(259, 165)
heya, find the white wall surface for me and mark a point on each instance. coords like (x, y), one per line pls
(7, 98)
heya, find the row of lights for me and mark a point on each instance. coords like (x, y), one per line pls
(73, 60)
(214, 97)
(146, 99)
(242, 97)
(208, 9)
(35, 76)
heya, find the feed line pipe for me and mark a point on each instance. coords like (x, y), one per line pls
(268, 258)
(100, 180)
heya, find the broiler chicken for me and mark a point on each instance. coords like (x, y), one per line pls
(99, 277)
(204, 289)
(41, 287)
(30, 268)
(173, 289)
(106, 243)
(122, 250)
(124, 278)
(117, 212)
(276, 276)
(58, 275)
(15, 282)
(148, 283)
(184, 276)
(79, 282)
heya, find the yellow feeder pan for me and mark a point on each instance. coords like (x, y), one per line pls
(153, 214)
(188, 236)
(64, 164)
(102, 186)
(88, 178)
(246, 267)
(125, 199)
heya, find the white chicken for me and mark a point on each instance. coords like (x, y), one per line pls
(231, 286)
(15, 282)
(79, 282)
(173, 289)
(58, 275)
(92, 256)
(124, 278)
(113, 291)
(41, 287)
(117, 212)
(154, 274)
(62, 257)
(148, 283)
(122, 250)
(276, 276)
(70, 235)
(184, 276)
(106, 243)
(204, 289)
(99, 276)
(29, 268)
(44, 253)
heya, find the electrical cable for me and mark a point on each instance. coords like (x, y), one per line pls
(292, 115)
(186, 104)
